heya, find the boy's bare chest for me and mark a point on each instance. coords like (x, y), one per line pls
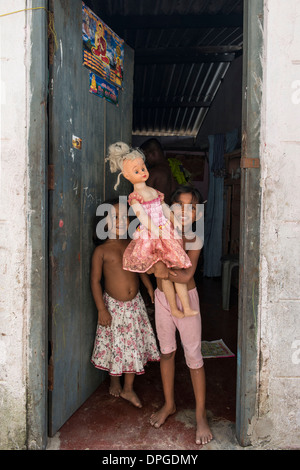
(113, 256)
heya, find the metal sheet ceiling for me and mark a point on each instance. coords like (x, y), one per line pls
(183, 50)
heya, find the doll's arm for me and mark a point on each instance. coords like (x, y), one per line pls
(170, 216)
(144, 218)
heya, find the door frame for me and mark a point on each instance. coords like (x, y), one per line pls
(248, 332)
(37, 210)
(248, 354)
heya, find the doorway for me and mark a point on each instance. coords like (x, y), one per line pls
(70, 163)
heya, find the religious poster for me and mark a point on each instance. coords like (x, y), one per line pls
(103, 89)
(103, 50)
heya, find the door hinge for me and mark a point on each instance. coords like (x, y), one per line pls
(51, 177)
(250, 162)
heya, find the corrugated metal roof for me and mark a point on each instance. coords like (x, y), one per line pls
(183, 50)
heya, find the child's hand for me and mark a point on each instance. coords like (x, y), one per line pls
(172, 273)
(160, 270)
(104, 317)
(151, 293)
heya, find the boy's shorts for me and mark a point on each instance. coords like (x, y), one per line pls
(188, 327)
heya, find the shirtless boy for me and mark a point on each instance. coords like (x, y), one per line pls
(122, 315)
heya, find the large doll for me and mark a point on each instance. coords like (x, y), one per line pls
(155, 240)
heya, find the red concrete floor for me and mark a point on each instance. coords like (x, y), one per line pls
(107, 423)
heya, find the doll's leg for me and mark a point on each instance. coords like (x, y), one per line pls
(169, 291)
(183, 295)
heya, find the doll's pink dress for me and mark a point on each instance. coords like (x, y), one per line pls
(144, 250)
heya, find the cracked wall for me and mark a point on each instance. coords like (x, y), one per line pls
(279, 374)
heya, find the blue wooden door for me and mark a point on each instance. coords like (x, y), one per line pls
(79, 182)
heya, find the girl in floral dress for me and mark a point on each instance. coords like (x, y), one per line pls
(124, 341)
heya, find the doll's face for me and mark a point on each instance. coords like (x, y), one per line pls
(135, 171)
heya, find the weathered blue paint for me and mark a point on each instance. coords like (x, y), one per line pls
(37, 229)
(80, 184)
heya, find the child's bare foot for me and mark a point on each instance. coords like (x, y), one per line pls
(203, 433)
(158, 418)
(115, 386)
(132, 397)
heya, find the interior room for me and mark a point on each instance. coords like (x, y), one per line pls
(187, 94)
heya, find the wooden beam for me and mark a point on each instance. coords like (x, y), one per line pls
(149, 51)
(187, 55)
(179, 56)
(172, 104)
(176, 21)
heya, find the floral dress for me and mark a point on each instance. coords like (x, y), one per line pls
(145, 250)
(129, 343)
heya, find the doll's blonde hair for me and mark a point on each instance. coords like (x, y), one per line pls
(119, 152)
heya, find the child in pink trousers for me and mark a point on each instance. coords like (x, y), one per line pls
(186, 208)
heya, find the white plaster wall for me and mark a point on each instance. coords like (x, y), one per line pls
(13, 225)
(279, 396)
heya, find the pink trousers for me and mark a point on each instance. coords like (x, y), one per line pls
(189, 329)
